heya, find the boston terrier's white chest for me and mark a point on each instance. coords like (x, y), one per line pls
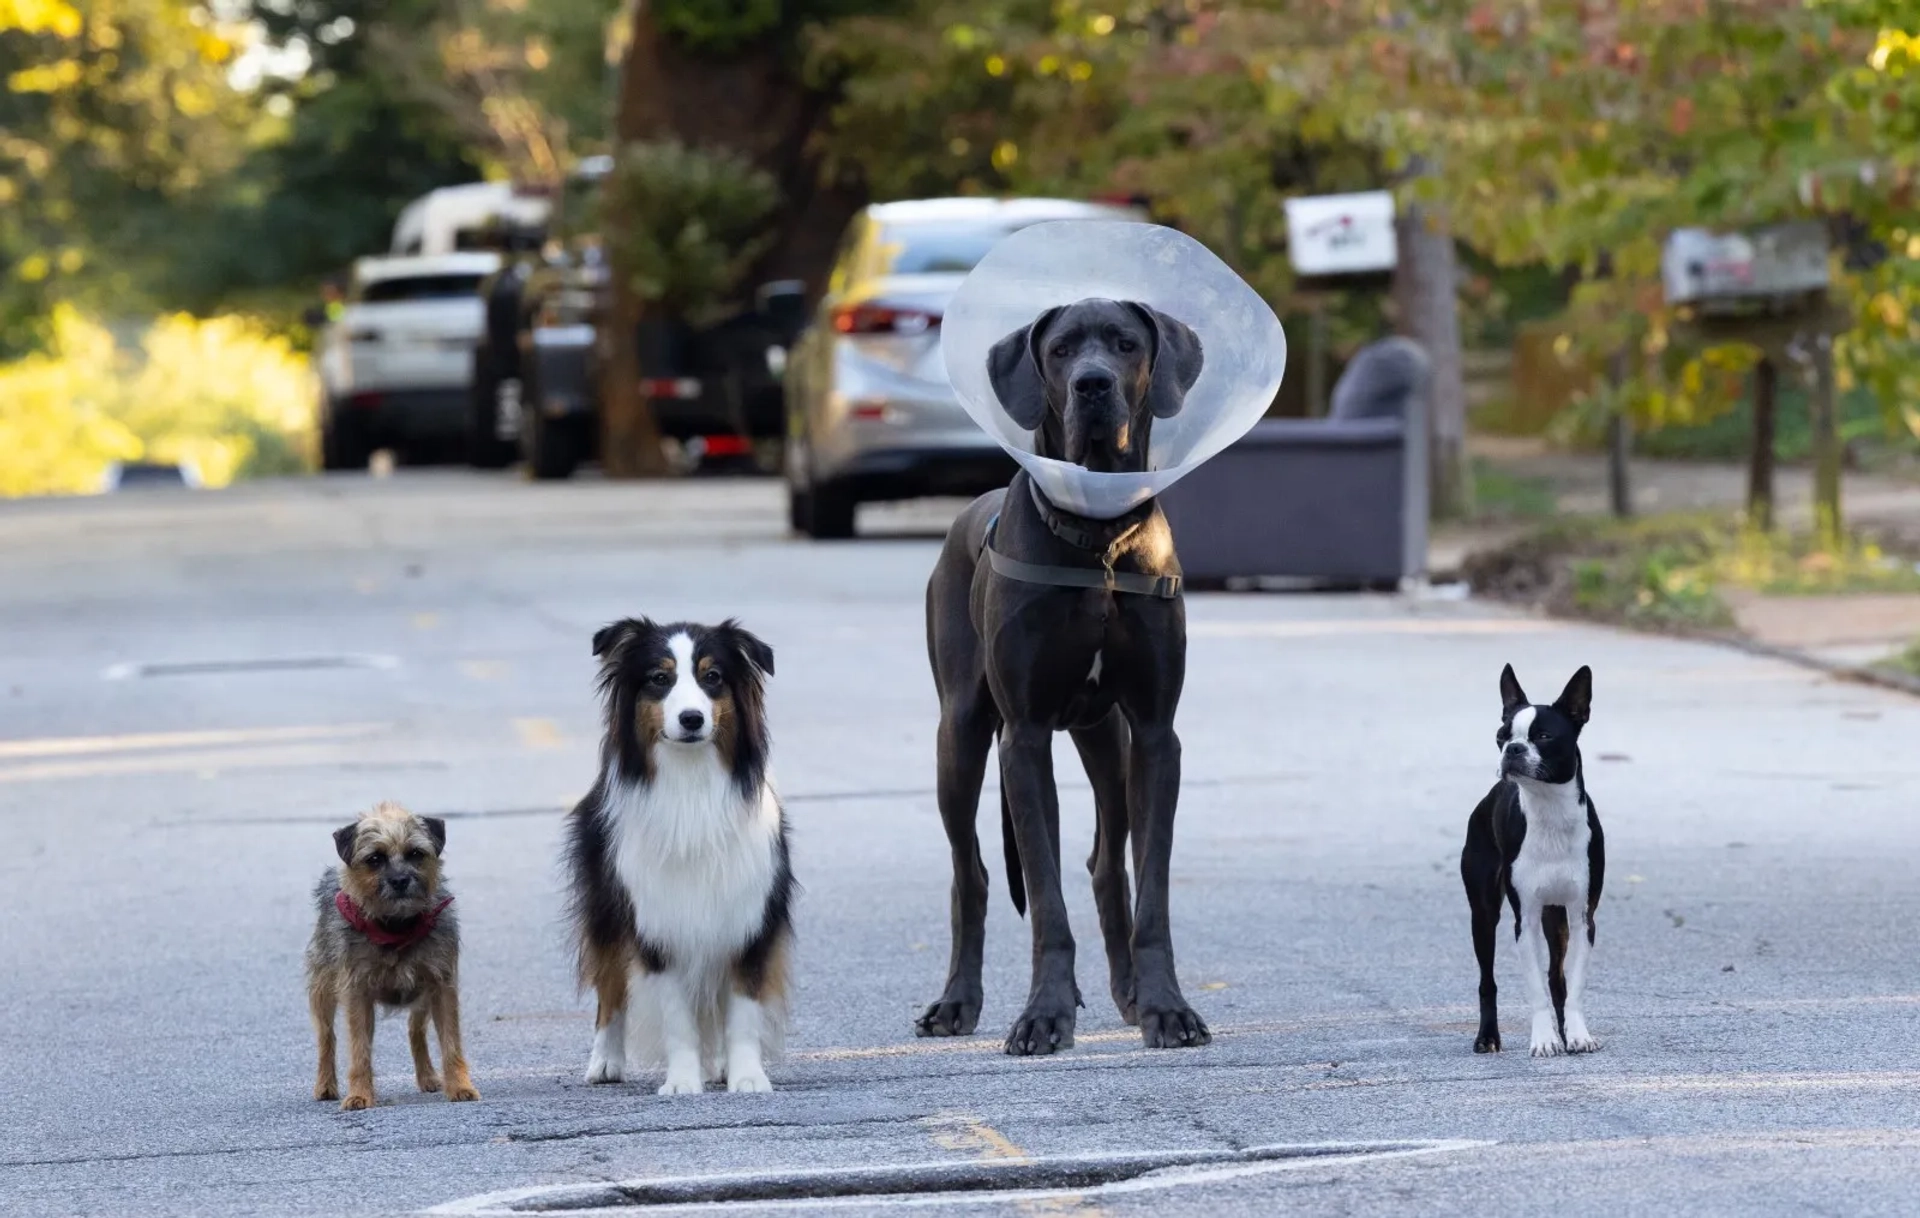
(1551, 868)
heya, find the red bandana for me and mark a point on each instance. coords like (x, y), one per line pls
(380, 936)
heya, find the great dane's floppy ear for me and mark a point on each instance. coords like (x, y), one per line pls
(1512, 697)
(1576, 700)
(1013, 368)
(1177, 360)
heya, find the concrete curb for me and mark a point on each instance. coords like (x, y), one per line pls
(1863, 674)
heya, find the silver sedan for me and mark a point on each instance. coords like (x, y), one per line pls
(870, 413)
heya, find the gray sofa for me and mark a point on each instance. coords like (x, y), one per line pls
(1339, 501)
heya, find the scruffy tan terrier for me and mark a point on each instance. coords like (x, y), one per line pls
(386, 934)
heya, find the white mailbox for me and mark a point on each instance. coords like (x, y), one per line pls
(1719, 273)
(1342, 234)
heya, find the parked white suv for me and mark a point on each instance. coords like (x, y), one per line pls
(396, 365)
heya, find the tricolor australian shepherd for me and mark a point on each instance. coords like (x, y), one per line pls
(678, 860)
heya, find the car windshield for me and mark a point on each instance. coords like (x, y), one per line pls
(420, 287)
(932, 249)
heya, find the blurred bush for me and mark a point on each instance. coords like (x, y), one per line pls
(684, 225)
(221, 393)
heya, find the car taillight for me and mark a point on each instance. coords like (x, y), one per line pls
(365, 401)
(681, 388)
(881, 319)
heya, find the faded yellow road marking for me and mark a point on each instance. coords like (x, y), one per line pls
(483, 670)
(965, 1133)
(426, 621)
(75, 746)
(538, 733)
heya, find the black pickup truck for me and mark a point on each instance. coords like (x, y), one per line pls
(715, 390)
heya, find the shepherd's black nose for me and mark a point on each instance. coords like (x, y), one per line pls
(1093, 384)
(691, 720)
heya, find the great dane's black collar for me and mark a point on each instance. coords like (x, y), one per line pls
(1101, 538)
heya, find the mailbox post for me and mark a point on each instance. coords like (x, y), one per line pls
(1336, 242)
(1769, 288)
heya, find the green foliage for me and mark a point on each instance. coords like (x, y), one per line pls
(719, 27)
(222, 394)
(684, 225)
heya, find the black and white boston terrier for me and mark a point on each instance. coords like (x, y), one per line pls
(1535, 841)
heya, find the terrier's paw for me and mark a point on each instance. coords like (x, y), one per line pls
(428, 1082)
(682, 1084)
(1579, 1040)
(749, 1080)
(462, 1092)
(356, 1103)
(605, 1069)
(1546, 1036)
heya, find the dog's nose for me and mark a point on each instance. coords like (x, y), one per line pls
(399, 884)
(1093, 384)
(1516, 747)
(692, 720)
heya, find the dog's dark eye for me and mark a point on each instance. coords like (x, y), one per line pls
(1543, 738)
(1127, 346)
(416, 854)
(661, 679)
(1061, 351)
(710, 678)
(376, 860)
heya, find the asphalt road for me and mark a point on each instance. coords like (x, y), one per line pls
(196, 688)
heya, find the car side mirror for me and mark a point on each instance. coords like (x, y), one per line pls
(783, 303)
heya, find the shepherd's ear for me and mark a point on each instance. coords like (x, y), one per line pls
(758, 653)
(1013, 369)
(1177, 360)
(1576, 700)
(343, 841)
(608, 638)
(1512, 697)
(437, 830)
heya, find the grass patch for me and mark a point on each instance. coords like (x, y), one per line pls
(1669, 572)
(1500, 496)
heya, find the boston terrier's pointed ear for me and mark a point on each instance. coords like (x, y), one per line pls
(343, 841)
(437, 830)
(1177, 360)
(1013, 369)
(1512, 697)
(1576, 700)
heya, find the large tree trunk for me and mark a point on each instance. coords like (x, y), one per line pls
(753, 103)
(1425, 292)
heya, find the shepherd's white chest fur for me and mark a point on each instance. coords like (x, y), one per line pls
(697, 858)
(1551, 867)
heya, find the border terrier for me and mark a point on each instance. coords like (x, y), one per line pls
(385, 934)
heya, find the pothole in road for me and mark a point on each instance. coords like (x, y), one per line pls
(992, 1181)
(207, 668)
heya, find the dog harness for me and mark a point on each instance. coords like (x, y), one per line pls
(1105, 579)
(378, 935)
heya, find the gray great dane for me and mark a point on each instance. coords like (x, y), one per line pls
(1040, 621)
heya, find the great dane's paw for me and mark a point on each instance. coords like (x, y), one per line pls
(1487, 1042)
(1127, 1003)
(1036, 1033)
(949, 1017)
(1174, 1028)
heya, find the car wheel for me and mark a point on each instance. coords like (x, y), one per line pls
(552, 447)
(799, 509)
(830, 512)
(485, 449)
(343, 443)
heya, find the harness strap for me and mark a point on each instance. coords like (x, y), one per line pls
(1165, 587)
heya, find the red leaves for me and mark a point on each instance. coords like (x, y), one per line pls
(1680, 118)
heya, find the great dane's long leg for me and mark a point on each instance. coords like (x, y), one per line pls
(1153, 793)
(1026, 774)
(966, 734)
(1103, 751)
